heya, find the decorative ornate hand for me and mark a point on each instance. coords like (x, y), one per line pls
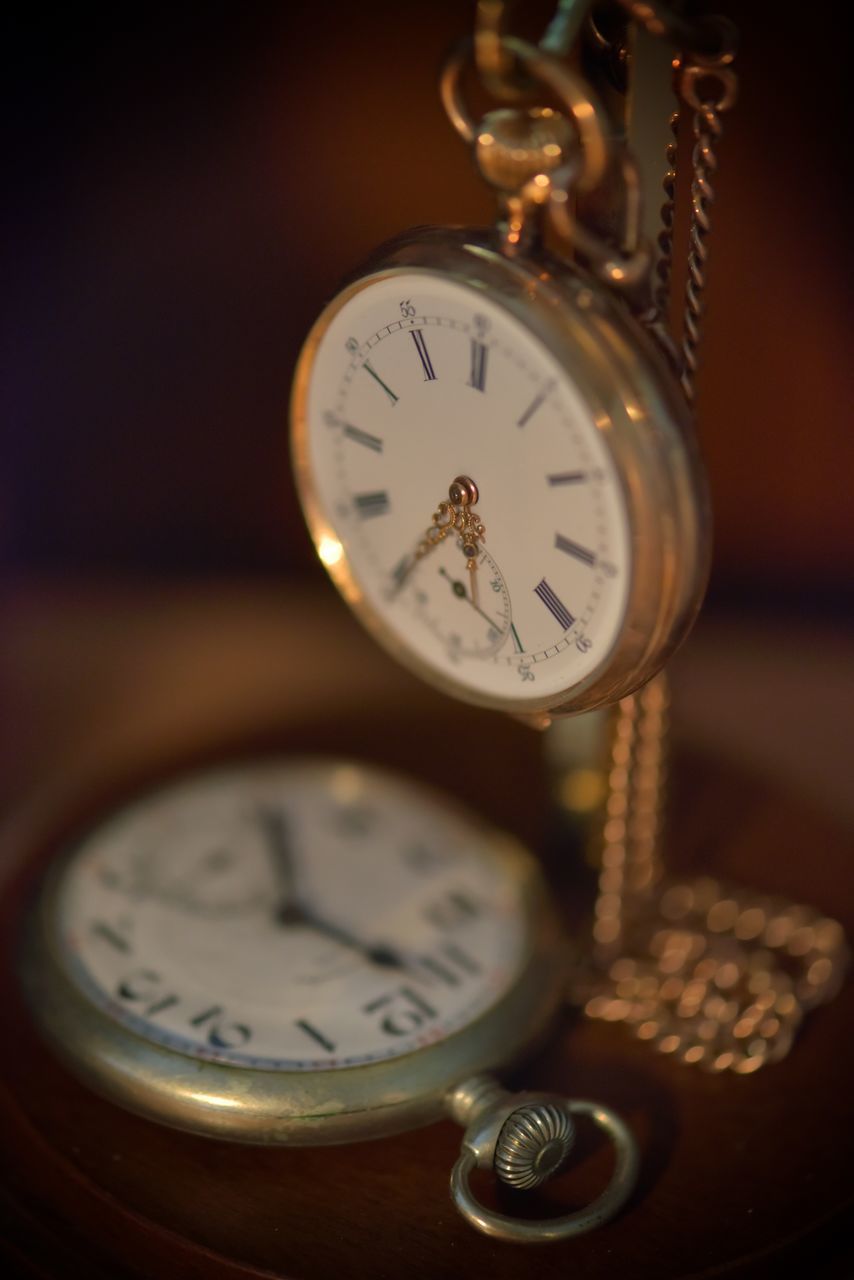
(454, 514)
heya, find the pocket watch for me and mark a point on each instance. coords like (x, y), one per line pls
(494, 455)
(311, 952)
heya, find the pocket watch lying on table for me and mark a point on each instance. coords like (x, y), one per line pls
(305, 953)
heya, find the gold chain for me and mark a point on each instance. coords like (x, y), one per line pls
(713, 974)
(707, 131)
(664, 264)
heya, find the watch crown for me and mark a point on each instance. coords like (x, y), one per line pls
(534, 1142)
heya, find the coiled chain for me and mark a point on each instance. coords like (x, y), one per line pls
(713, 974)
(707, 133)
(664, 264)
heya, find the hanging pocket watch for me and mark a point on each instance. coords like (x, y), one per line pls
(310, 953)
(494, 455)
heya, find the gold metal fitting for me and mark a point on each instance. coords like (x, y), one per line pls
(463, 492)
(702, 86)
(516, 145)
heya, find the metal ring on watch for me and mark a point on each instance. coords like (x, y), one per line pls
(575, 98)
(526, 1231)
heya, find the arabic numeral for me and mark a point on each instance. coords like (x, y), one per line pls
(608, 568)
(583, 644)
(352, 345)
(406, 1011)
(141, 985)
(221, 1034)
(525, 673)
(495, 583)
(407, 309)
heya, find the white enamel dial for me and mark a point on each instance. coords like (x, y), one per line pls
(418, 379)
(291, 916)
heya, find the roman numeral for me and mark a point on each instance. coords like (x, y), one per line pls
(534, 405)
(372, 504)
(369, 368)
(573, 549)
(567, 477)
(478, 365)
(421, 347)
(554, 604)
(363, 437)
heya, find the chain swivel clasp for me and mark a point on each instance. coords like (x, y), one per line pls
(539, 159)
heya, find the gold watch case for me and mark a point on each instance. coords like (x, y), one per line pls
(645, 423)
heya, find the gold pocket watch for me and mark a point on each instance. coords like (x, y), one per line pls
(306, 952)
(495, 456)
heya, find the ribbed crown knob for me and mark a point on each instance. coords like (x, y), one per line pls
(534, 1142)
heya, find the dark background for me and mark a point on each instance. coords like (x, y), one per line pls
(185, 188)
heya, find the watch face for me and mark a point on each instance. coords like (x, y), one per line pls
(417, 379)
(299, 916)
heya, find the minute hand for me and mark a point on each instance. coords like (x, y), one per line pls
(378, 953)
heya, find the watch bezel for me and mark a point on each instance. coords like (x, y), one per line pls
(645, 424)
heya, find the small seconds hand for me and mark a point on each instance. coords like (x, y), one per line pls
(459, 590)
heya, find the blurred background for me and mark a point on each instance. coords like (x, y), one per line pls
(184, 189)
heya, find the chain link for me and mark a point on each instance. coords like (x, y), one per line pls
(710, 973)
(707, 133)
(664, 264)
